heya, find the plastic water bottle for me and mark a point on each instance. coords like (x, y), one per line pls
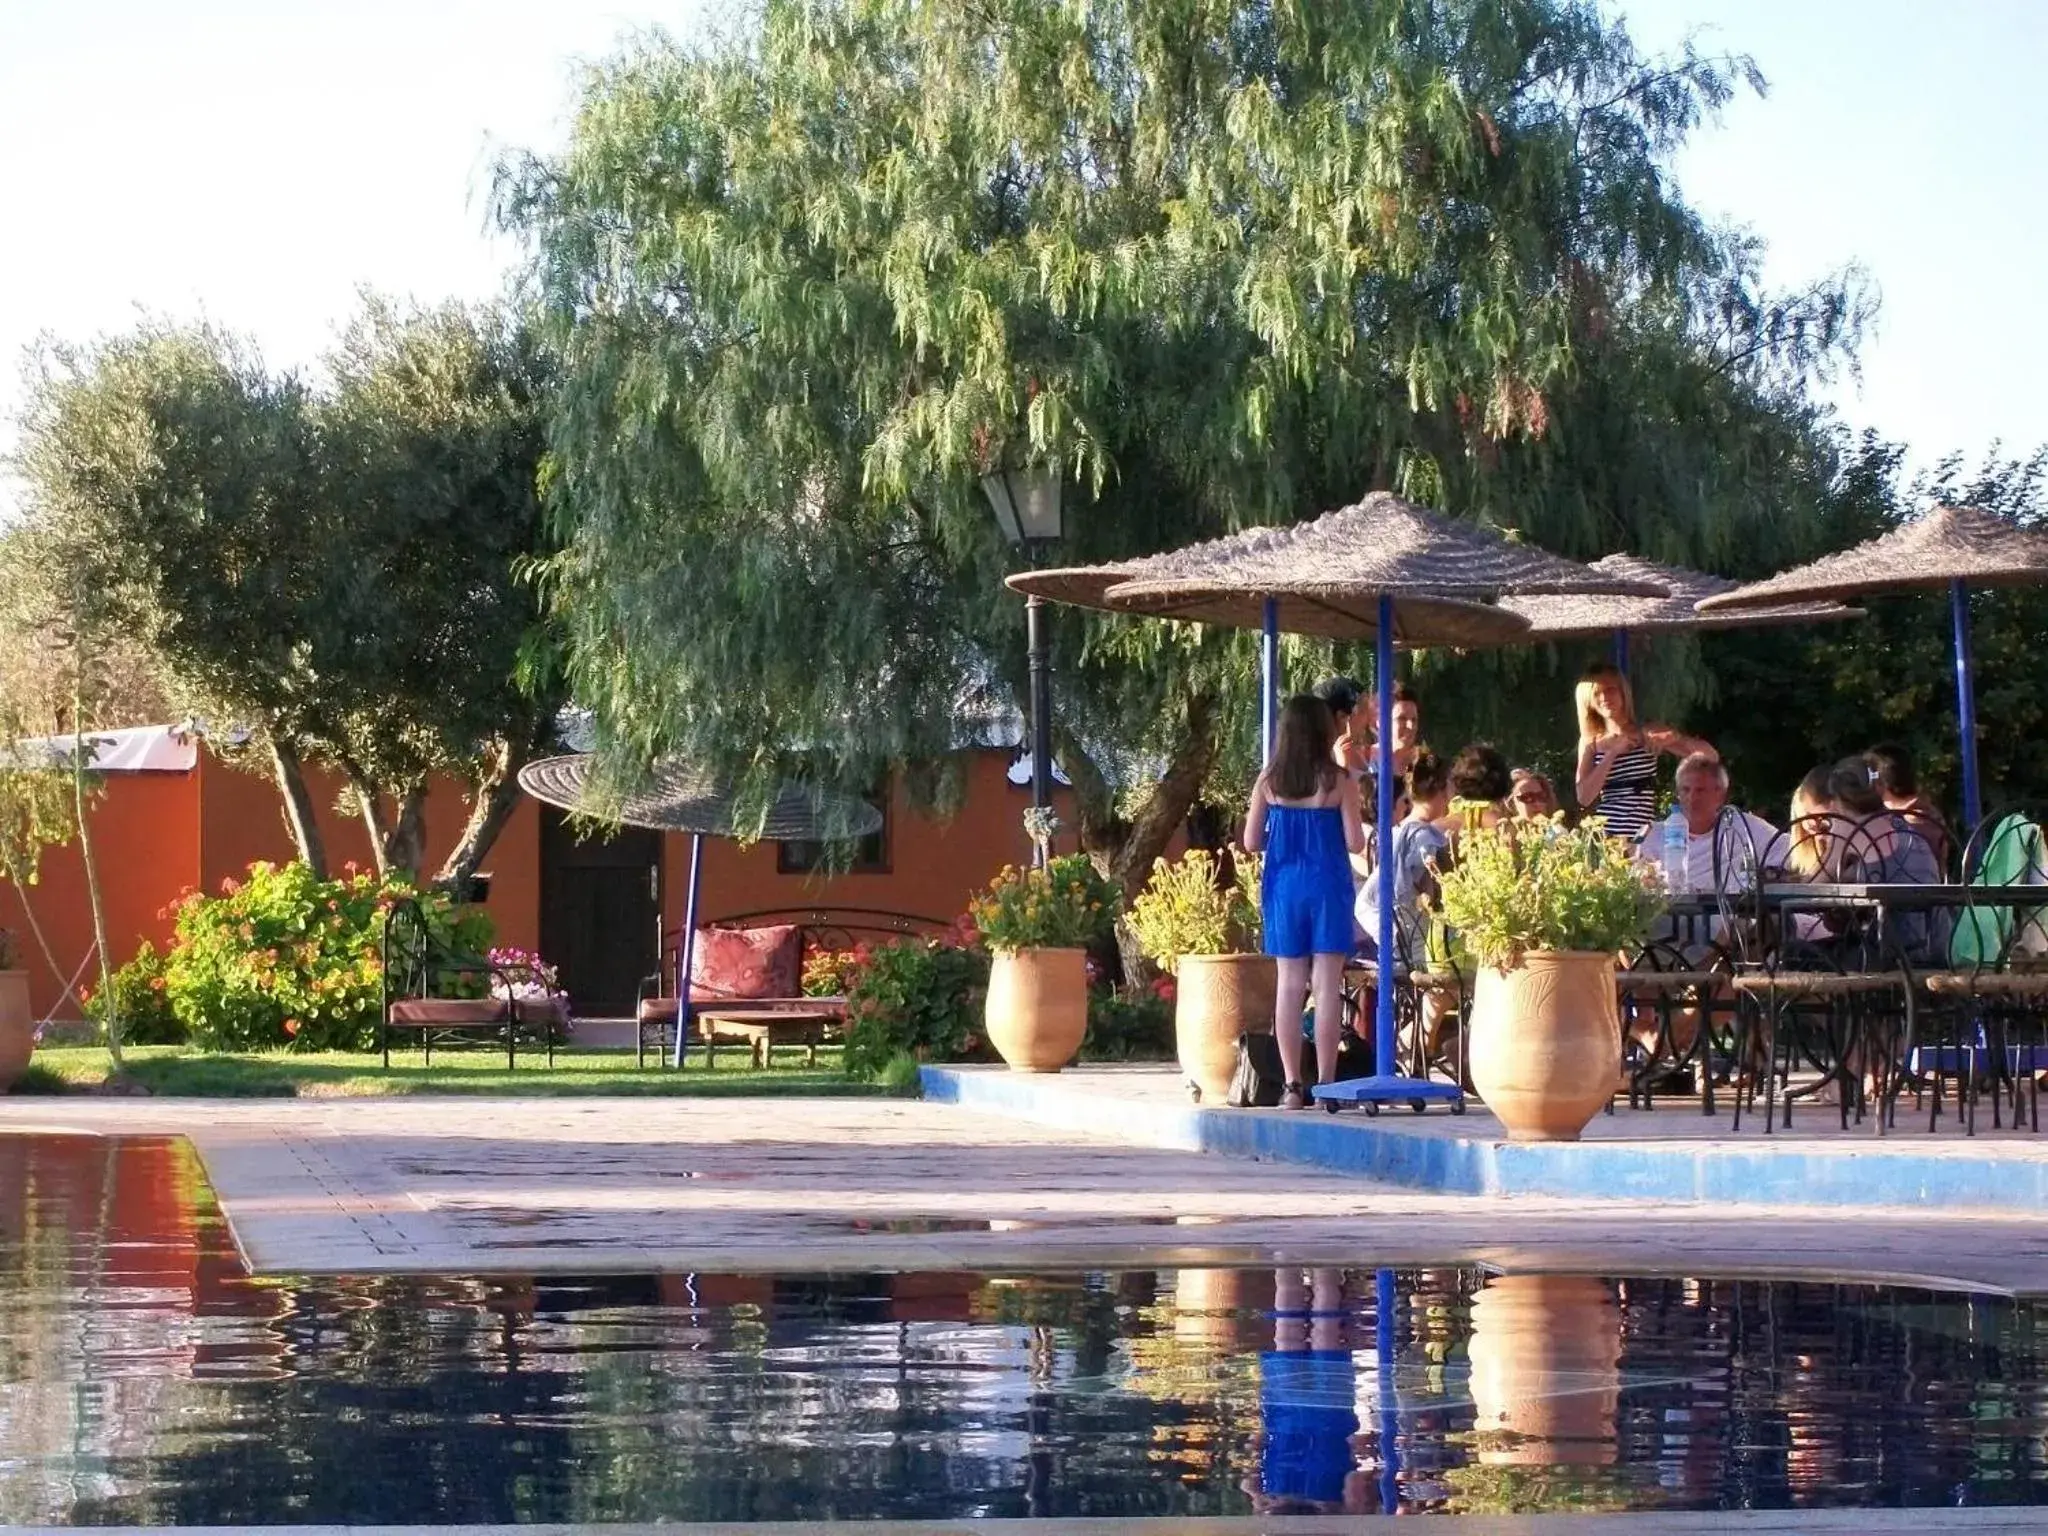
(1675, 838)
(1745, 864)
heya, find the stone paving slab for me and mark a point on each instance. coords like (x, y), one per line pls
(470, 1186)
(1978, 1522)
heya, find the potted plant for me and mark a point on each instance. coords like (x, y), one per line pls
(1545, 1359)
(1544, 910)
(1205, 933)
(1038, 924)
(17, 1018)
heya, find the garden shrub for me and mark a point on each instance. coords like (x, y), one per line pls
(284, 959)
(142, 997)
(919, 997)
(1136, 1026)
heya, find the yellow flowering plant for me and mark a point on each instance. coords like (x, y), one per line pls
(1187, 909)
(1066, 905)
(1540, 886)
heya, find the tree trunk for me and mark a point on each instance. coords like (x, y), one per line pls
(298, 808)
(92, 886)
(399, 843)
(1124, 850)
(370, 806)
(493, 798)
(406, 848)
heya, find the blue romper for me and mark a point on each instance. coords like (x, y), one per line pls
(1305, 892)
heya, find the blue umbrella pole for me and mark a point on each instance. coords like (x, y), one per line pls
(1385, 1082)
(1966, 706)
(1621, 651)
(1269, 681)
(687, 949)
(1385, 1298)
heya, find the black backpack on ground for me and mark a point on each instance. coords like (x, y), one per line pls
(1260, 1078)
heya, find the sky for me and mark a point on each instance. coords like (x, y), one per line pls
(256, 162)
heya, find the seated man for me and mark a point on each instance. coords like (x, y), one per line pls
(1721, 846)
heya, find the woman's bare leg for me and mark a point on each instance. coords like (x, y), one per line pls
(1287, 1000)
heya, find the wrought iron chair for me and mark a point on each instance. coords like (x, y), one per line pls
(1992, 999)
(1830, 987)
(442, 997)
(1677, 995)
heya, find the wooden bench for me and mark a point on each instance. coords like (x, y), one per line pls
(765, 1022)
(417, 968)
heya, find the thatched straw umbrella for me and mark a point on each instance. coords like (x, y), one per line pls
(1385, 568)
(673, 798)
(1953, 547)
(1578, 616)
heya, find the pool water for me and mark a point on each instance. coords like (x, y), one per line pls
(146, 1378)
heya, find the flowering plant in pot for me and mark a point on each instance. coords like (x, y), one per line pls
(1038, 924)
(1544, 911)
(1204, 929)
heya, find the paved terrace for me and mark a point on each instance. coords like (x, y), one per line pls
(523, 1186)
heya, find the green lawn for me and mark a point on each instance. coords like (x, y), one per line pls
(179, 1071)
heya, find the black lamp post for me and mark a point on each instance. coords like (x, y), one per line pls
(1027, 508)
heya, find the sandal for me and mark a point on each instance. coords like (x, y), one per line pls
(1293, 1097)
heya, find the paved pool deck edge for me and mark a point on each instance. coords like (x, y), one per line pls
(1878, 1174)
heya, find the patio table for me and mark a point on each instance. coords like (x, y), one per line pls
(1903, 896)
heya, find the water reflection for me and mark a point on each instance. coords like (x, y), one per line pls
(144, 1378)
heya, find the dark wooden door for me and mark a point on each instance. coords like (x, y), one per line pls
(600, 913)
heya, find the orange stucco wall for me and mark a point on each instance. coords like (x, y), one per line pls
(145, 839)
(934, 865)
(158, 835)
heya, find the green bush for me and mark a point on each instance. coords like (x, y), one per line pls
(283, 959)
(1138, 1027)
(900, 1076)
(141, 990)
(919, 998)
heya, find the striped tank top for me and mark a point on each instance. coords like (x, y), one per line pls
(1628, 800)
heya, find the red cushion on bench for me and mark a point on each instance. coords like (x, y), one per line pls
(747, 962)
(446, 1011)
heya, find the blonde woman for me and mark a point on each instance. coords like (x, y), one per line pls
(1617, 773)
(1808, 846)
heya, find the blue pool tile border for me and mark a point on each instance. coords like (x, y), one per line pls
(1879, 1175)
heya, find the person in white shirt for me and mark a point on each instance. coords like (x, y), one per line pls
(1715, 844)
(1721, 847)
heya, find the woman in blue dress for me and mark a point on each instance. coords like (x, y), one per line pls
(1304, 817)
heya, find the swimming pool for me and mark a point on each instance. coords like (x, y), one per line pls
(145, 1378)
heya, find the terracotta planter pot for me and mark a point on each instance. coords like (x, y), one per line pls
(17, 1028)
(1546, 1042)
(1037, 1009)
(1205, 1305)
(1216, 998)
(1546, 1370)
